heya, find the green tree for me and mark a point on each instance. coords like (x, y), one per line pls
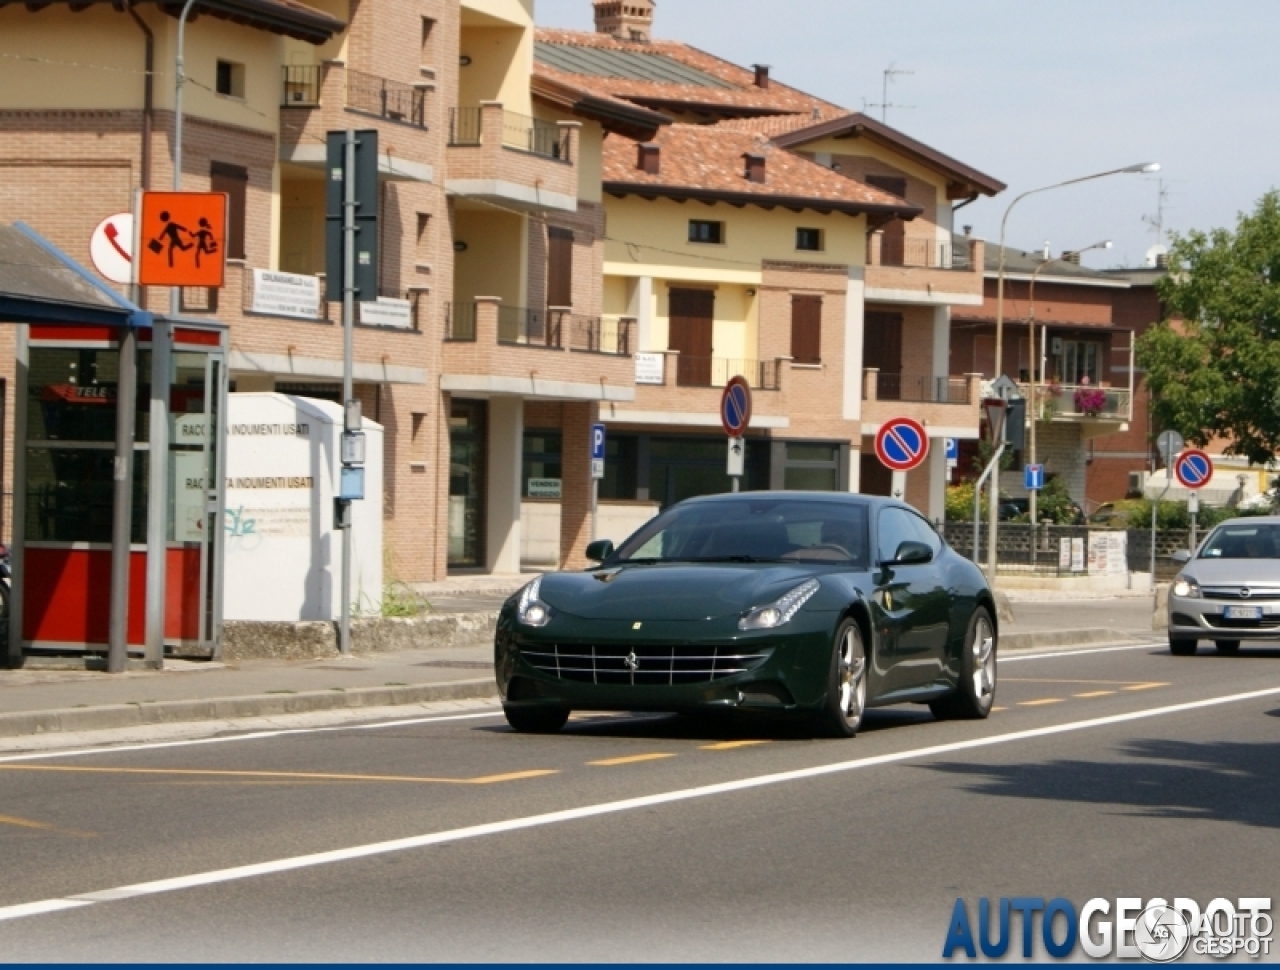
(1216, 371)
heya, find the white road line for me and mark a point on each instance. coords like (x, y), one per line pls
(1076, 653)
(253, 736)
(590, 811)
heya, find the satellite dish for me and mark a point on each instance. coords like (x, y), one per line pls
(1155, 254)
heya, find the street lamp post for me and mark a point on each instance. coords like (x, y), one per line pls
(1037, 365)
(993, 503)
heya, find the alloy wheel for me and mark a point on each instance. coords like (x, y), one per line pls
(984, 658)
(853, 676)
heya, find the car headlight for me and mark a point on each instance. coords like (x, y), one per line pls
(531, 611)
(780, 610)
(1186, 586)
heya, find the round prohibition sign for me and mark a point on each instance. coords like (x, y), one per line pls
(735, 406)
(1194, 468)
(902, 444)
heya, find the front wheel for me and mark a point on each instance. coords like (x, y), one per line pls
(846, 700)
(977, 688)
(542, 719)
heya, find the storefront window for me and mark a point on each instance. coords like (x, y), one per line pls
(681, 468)
(812, 466)
(543, 472)
(466, 482)
(620, 467)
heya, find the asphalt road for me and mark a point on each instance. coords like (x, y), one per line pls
(1107, 772)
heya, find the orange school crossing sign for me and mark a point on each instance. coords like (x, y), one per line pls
(183, 239)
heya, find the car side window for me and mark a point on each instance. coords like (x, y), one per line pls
(925, 532)
(895, 528)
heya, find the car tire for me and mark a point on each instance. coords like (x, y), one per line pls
(846, 700)
(1180, 647)
(1226, 646)
(976, 691)
(539, 719)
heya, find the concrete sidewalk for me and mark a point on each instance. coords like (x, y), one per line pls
(40, 700)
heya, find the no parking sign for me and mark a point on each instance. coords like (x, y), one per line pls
(902, 444)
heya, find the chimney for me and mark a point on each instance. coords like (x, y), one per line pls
(762, 76)
(755, 168)
(630, 20)
(649, 159)
(1162, 260)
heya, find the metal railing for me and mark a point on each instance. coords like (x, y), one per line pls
(715, 371)
(465, 126)
(301, 86)
(393, 100)
(922, 253)
(460, 321)
(533, 328)
(601, 335)
(543, 138)
(935, 390)
(1081, 402)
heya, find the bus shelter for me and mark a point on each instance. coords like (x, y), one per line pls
(77, 344)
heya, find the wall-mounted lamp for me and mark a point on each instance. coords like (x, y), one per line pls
(464, 60)
(459, 246)
(751, 291)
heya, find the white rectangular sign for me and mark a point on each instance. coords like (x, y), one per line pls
(387, 312)
(286, 294)
(737, 457)
(545, 488)
(1077, 555)
(649, 368)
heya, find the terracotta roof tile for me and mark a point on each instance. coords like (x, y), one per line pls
(709, 161)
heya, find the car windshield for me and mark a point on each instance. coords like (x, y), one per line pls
(1261, 541)
(764, 530)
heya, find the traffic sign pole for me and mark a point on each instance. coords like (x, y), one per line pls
(735, 415)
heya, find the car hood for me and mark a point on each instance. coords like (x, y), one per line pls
(1234, 572)
(670, 591)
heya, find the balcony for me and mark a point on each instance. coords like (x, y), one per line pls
(1098, 409)
(551, 354)
(950, 402)
(513, 160)
(386, 99)
(924, 271)
(763, 375)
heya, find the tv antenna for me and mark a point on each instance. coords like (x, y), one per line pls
(890, 73)
(1156, 222)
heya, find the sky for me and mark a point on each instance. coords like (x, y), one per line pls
(1035, 93)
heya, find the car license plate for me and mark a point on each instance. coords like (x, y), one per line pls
(1244, 613)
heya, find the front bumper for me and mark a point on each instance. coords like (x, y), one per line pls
(678, 666)
(1202, 618)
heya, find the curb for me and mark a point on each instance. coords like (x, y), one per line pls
(1062, 638)
(111, 716)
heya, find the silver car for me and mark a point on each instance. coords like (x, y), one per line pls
(1230, 589)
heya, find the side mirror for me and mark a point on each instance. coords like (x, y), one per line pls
(1182, 555)
(911, 553)
(600, 550)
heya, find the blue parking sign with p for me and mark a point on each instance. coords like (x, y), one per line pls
(597, 442)
(953, 449)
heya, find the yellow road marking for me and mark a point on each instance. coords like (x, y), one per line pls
(27, 823)
(728, 745)
(284, 775)
(1040, 702)
(631, 759)
(1146, 686)
(994, 709)
(1097, 693)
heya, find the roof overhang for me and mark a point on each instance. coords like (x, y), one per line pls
(287, 17)
(687, 106)
(963, 181)
(614, 115)
(764, 201)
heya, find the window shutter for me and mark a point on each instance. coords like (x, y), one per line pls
(233, 180)
(559, 267)
(806, 329)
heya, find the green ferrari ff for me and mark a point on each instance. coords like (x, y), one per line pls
(817, 604)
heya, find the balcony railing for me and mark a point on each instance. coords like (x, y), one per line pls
(460, 321)
(301, 86)
(542, 138)
(393, 100)
(922, 253)
(533, 328)
(931, 390)
(465, 126)
(600, 335)
(1081, 402)
(716, 371)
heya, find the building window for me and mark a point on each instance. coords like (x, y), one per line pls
(705, 231)
(543, 469)
(229, 79)
(812, 467)
(233, 180)
(806, 329)
(809, 240)
(621, 454)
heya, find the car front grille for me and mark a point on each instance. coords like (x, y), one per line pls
(655, 665)
(1235, 592)
(1229, 623)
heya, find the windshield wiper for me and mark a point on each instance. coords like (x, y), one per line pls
(734, 559)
